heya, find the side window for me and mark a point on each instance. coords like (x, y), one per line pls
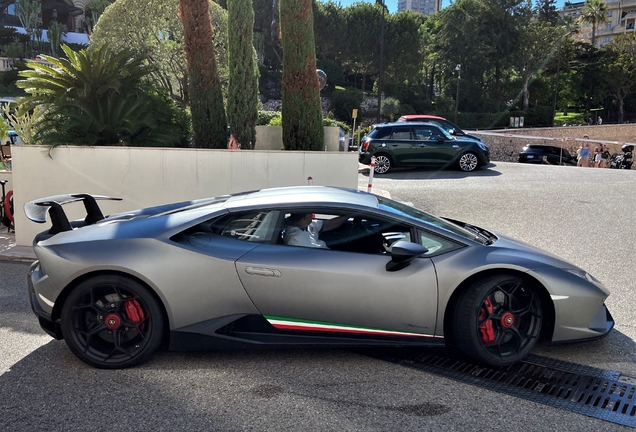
(379, 133)
(401, 133)
(259, 226)
(421, 133)
(348, 232)
(435, 244)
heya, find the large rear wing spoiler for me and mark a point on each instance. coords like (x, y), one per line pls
(36, 210)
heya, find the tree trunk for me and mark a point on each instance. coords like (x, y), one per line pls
(525, 94)
(206, 100)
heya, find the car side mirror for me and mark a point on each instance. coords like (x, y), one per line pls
(441, 139)
(402, 253)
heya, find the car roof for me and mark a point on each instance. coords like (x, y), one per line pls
(410, 124)
(303, 195)
(421, 116)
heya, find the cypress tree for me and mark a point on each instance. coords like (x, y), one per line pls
(242, 102)
(206, 99)
(301, 112)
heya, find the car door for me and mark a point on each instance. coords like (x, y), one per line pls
(435, 147)
(402, 146)
(338, 291)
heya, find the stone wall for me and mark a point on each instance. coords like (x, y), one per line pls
(505, 148)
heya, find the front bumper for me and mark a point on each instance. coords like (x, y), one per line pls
(39, 305)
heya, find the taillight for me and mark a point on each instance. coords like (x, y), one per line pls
(365, 146)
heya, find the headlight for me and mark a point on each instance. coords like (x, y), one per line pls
(583, 274)
(482, 146)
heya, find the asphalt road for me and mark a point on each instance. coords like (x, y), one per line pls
(584, 215)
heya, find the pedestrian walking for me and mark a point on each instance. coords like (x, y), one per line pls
(584, 153)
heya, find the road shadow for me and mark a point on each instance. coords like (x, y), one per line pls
(435, 173)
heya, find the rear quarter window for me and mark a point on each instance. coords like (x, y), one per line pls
(379, 133)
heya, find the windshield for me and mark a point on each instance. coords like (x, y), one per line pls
(420, 216)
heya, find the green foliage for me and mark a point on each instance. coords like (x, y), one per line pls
(302, 114)
(390, 107)
(595, 13)
(96, 97)
(345, 101)
(55, 34)
(242, 103)
(561, 119)
(276, 121)
(155, 32)
(265, 117)
(330, 122)
(406, 109)
(335, 76)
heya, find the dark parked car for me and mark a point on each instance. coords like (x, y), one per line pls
(447, 125)
(546, 154)
(421, 144)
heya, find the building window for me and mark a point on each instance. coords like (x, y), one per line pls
(608, 26)
(609, 14)
(606, 40)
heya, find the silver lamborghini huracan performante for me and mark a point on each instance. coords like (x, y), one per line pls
(318, 266)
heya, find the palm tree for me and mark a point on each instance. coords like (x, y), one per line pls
(595, 13)
(95, 97)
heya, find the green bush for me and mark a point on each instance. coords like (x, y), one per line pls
(265, 117)
(331, 122)
(345, 101)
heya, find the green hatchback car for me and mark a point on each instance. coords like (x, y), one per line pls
(420, 144)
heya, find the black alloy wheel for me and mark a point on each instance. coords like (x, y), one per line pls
(383, 164)
(498, 320)
(468, 162)
(112, 322)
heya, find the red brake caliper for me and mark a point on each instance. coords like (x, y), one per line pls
(134, 311)
(486, 330)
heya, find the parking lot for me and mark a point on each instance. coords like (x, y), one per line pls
(583, 215)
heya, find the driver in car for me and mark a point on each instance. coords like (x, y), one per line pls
(303, 230)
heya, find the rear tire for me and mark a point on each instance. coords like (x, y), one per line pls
(383, 164)
(112, 322)
(498, 320)
(468, 162)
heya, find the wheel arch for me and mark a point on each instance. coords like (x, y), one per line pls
(546, 302)
(61, 298)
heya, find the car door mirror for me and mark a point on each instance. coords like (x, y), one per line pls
(402, 253)
(440, 139)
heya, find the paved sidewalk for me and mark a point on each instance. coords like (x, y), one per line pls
(10, 252)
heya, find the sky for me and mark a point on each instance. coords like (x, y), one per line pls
(392, 4)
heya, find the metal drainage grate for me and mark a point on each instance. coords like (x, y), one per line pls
(576, 388)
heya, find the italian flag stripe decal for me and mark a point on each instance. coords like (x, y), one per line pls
(283, 323)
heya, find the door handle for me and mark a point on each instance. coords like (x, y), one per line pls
(455, 146)
(259, 271)
(422, 145)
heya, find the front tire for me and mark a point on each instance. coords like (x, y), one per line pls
(498, 320)
(112, 322)
(383, 164)
(468, 162)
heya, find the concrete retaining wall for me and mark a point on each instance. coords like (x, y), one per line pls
(150, 176)
(506, 149)
(271, 138)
